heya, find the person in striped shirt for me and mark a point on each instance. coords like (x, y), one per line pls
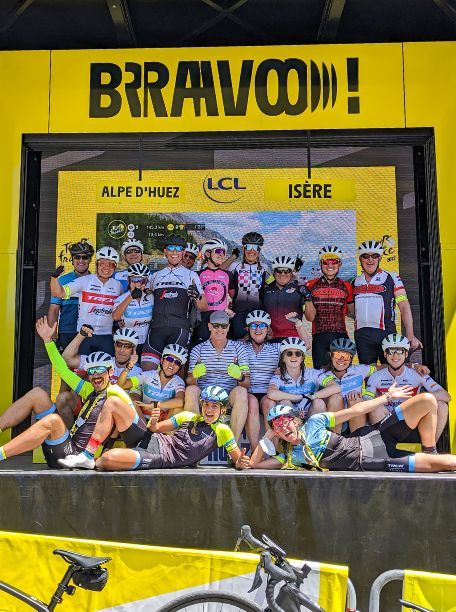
(222, 362)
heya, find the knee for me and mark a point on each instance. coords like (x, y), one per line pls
(38, 396)
(430, 400)
(64, 398)
(50, 422)
(318, 405)
(239, 394)
(107, 460)
(335, 402)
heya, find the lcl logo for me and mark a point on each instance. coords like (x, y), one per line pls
(224, 190)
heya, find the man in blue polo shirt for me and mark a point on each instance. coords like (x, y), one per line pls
(66, 311)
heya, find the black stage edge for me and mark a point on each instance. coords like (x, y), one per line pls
(371, 522)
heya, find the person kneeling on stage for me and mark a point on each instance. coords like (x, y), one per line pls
(371, 448)
(50, 431)
(395, 349)
(194, 439)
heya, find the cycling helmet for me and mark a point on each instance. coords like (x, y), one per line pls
(284, 261)
(279, 410)
(293, 343)
(98, 359)
(330, 251)
(258, 316)
(174, 240)
(395, 341)
(213, 243)
(82, 247)
(127, 335)
(109, 253)
(138, 269)
(131, 242)
(253, 238)
(370, 246)
(343, 344)
(214, 393)
(177, 351)
(192, 248)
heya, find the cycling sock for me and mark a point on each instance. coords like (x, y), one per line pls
(91, 448)
(429, 450)
(2, 454)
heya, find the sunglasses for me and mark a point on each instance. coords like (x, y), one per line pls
(220, 325)
(258, 325)
(172, 359)
(294, 353)
(219, 251)
(252, 247)
(281, 422)
(96, 370)
(330, 262)
(396, 351)
(283, 271)
(138, 279)
(82, 257)
(130, 251)
(370, 256)
(125, 345)
(341, 355)
(175, 247)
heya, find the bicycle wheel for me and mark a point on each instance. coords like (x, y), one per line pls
(207, 601)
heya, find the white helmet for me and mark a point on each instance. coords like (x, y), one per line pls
(293, 343)
(330, 251)
(213, 243)
(176, 350)
(138, 269)
(109, 253)
(395, 341)
(192, 248)
(258, 316)
(127, 335)
(284, 261)
(370, 246)
(131, 242)
(98, 359)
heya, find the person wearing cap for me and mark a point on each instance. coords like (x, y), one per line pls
(190, 255)
(396, 349)
(222, 362)
(66, 311)
(175, 290)
(377, 293)
(331, 301)
(132, 251)
(97, 293)
(50, 431)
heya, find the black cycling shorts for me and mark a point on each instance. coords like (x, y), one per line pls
(135, 433)
(53, 450)
(158, 338)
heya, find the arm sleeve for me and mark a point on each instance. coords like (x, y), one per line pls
(80, 386)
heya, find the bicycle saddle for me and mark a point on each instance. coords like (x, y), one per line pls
(83, 561)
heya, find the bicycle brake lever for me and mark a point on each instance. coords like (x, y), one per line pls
(257, 580)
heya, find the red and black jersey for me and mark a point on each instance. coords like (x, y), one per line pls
(278, 302)
(330, 299)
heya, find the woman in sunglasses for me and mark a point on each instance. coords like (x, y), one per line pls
(284, 300)
(134, 308)
(298, 386)
(163, 388)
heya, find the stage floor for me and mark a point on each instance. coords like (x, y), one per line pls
(371, 522)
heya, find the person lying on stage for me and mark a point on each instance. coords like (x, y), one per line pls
(49, 430)
(194, 438)
(370, 448)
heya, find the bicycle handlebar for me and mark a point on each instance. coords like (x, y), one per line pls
(246, 536)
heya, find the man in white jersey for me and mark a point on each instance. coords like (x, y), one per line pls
(97, 293)
(225, 363)
(175, 290)
(376, 293)
(396, 349)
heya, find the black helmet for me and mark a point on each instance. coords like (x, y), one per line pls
(174, 240)
(253, 238)
(82, 248)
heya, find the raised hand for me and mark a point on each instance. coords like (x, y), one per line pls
(293, 317)
(193, 292)
(44, 330)
(58, 271)
(86, 331)
(396, 392)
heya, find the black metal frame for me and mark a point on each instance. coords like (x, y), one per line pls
(428, 245)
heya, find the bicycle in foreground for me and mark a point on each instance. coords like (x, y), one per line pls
(274, 563)
(85, 572)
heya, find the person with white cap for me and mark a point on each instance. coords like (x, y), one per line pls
(132, 251)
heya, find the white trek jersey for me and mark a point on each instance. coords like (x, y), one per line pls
(154, 392)
(96, 301)
(381, 381)
(138, 314)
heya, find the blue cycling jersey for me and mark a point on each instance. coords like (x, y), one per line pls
(68, 308)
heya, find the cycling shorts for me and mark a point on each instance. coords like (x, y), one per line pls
(158, 338)
(53, 450)
(135, 433)
(148, 453)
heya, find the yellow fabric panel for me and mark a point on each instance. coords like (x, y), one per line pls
(434, 591)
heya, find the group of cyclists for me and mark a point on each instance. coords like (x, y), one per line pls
(179, 362)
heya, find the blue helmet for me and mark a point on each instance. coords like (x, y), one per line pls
(280, 410)
(214, 393)
(343, 344)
